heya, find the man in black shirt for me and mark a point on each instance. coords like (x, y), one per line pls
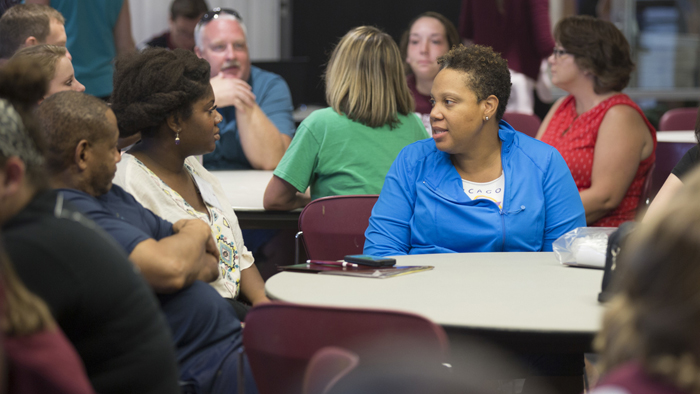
(102, 304)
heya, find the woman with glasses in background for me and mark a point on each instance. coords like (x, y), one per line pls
(602, 134)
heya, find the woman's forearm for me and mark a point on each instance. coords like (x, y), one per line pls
(597, 204)
(282, 196)
(253, 286)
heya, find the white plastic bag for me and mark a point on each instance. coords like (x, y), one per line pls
(584, 246)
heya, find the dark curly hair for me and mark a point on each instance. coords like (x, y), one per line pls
(152, 85)
(487, 72)
(599, 47)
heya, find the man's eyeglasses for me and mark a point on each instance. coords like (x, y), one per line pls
(558, 52)
(213, 14)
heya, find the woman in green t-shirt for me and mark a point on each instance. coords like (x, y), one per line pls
(349, 147)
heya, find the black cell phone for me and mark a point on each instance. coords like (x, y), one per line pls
(373, 261)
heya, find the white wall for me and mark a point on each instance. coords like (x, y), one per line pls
(261, 17)
(556, 12)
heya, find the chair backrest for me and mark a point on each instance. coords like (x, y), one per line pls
(524, 123)
(326, 367)
(281, 338)
(678, 119)
(668, 154)
(334, 227)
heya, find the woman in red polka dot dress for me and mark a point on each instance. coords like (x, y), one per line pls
(602, 134)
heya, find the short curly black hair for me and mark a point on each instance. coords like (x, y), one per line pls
(487, 72)
(154, 84)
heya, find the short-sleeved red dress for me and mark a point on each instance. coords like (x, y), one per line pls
(575, 136)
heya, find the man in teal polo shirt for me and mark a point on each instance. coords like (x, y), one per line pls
(98, 31)
(256, 105)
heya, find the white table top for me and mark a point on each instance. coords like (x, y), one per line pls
(676, 136)
(244, 188)
(499, 291)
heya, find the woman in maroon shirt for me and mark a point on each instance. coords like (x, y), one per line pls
(429, 36)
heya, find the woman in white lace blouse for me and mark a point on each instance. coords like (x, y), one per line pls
(167, 98)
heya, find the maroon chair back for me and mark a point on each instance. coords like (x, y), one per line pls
(527, 124)
(326, 367)
(678, 119)
(668, 154)
(281, 338)
(334, 227)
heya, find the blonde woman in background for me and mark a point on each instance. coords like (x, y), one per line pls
(349, 147)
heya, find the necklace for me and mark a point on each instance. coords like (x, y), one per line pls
(570, 124)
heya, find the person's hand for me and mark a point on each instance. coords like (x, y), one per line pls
(177, 226)
(211, 248)
(199, 227)
(235, 92)
(210, 268)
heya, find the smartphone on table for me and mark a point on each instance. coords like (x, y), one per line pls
(372, 261)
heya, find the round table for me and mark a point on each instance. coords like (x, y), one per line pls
(524, 301)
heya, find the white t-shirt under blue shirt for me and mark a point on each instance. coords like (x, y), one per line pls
(492, 191)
